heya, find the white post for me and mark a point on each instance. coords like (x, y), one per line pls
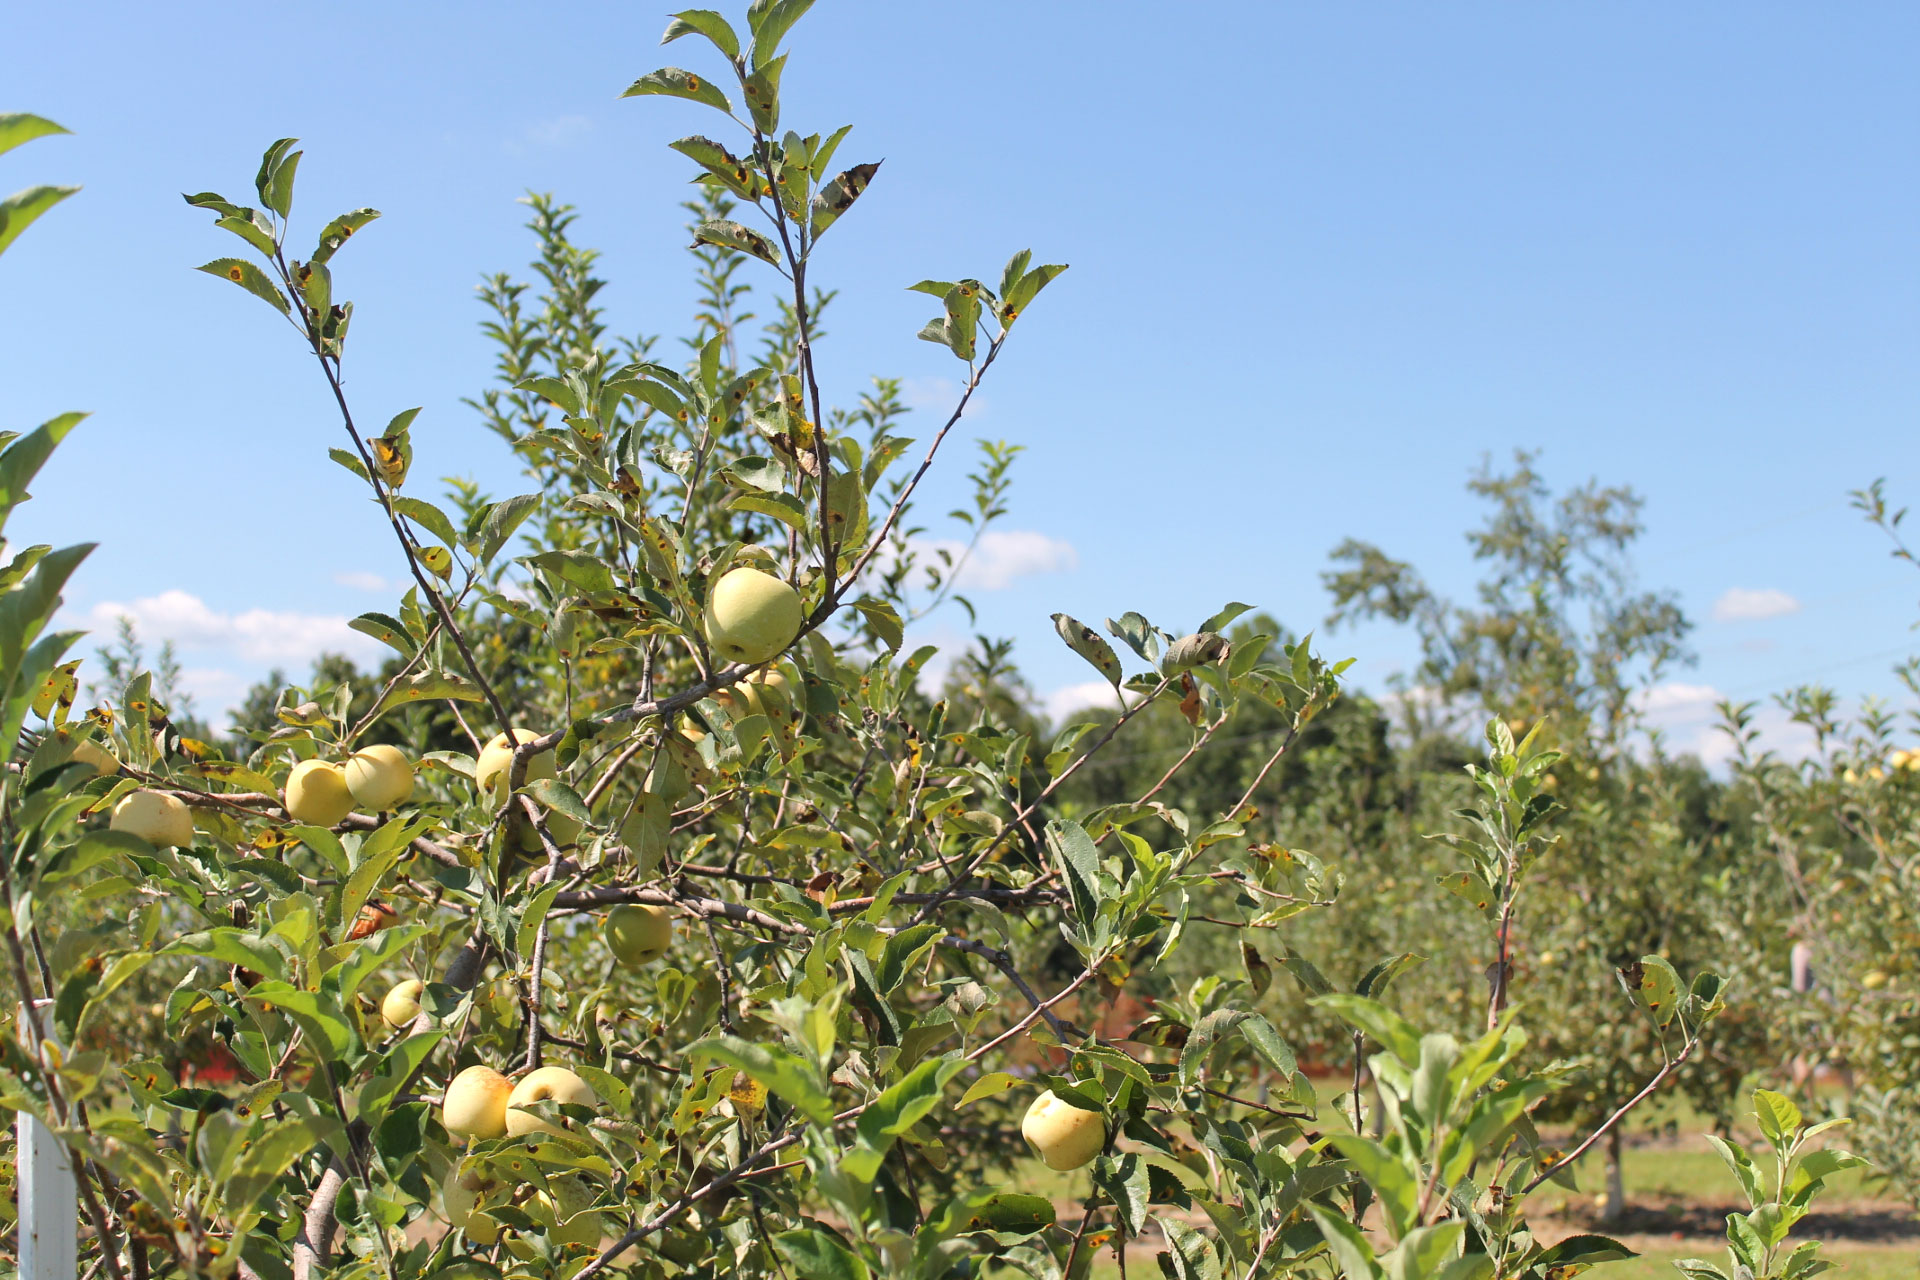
(49, 1204)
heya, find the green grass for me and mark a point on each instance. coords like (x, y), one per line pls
(1860, 1262)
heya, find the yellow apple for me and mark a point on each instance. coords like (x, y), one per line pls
(638, 933)
(774, 695)
(1065, 1136)
(87, 751)
(496, 760)
(1874, 979)
(751, 616)
(317, 793)
(160, 820)
(476, 1103)
(402, 1004)
(541, 1085)
(465, 1194)
(379, 776)
(564, 830)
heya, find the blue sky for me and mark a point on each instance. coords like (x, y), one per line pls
(1325, 258)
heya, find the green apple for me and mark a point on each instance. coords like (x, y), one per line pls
(638, 933)
(466, 1194)
(380, 776)
(317, 794)
(496, 760)
(159, 819)
(476, 1103)
(751, 616)
(402, 1004)
(88, 752)
(1065, 1136)
(540, 1085)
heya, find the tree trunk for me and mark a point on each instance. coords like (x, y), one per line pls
(1614, 1206)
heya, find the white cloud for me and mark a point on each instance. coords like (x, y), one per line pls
(1687, 717)
(1002, 556)
(256, 635)
(360, 580)
(1743, 604)
(1063, 702)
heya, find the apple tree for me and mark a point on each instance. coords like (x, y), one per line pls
(648, 916)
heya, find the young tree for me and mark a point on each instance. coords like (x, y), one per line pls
(652, 812)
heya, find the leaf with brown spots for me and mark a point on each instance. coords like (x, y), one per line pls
(1086, 642)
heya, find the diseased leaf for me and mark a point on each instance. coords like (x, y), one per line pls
(250, 278)
(675, 83)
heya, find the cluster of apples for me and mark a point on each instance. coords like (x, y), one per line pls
(482, 1103)
(322, 793)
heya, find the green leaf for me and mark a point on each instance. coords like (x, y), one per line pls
(387, 630)
(1079, 861)
(557, 795)
(897, 1110)
(783, 507)
(1653, 986)
(587, 572)
(1583, 1251)
(502, 519)
(337, 232)
(1741, 1164)
(781, 1070)
(19, 210)
(1423, 1252)
(1387, 1028)
(395, 1070)
(1014, 302)
(372, 870)
(987, 1086)
(903, 1105)
(274, 182)
(27, 454)
(326, 1026)
(675, 83)
(231, 946)
(1349, 1248)
(884, 621)
(731, 235)
(1086, 642)
(775, 20)
(1778, 1117)
(250, 278)
(426, 687)
(762, 90)
(963, 319)
(350, 462)
(707, 23)
(815, 1255)
(1221, 1023)
(250, 231)
(1374, 984)
(270, 1155)
(428, 516)
(17, 127)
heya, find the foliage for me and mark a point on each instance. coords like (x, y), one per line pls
(1777, 1198)
(897, 918)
